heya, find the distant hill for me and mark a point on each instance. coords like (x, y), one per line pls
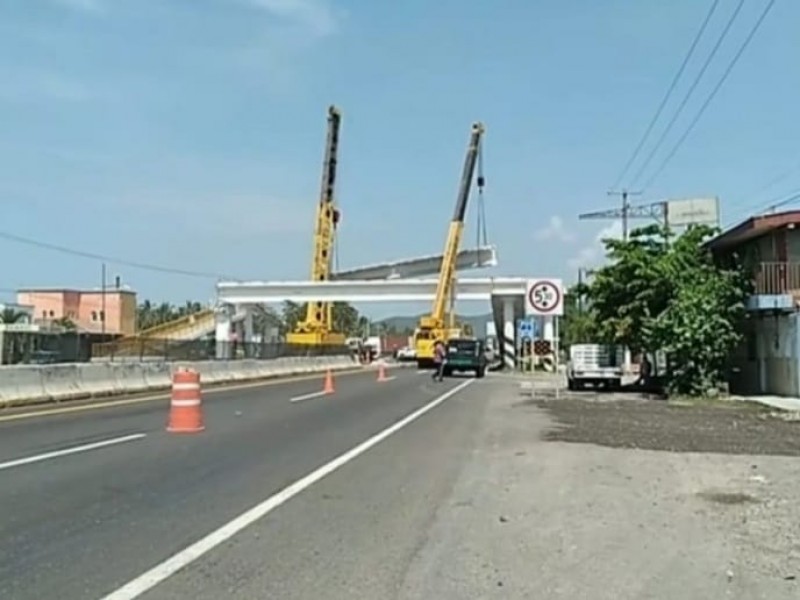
(407, 324)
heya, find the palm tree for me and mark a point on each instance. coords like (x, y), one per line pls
(11, 315)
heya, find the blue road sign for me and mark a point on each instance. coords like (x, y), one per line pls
(527, 328)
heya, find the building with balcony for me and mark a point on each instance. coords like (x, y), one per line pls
(768, 246)
(111, 311)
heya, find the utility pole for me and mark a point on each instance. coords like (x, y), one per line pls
(103, 300)
(655, 210)
(625, 208)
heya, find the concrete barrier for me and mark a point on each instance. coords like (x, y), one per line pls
(31, 384)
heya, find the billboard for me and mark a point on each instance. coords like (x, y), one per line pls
(693, 211)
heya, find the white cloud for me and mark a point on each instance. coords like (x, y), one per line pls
(554, 231)
(317, 15)
(592, 254)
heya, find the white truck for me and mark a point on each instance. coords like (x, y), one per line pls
(596, 365)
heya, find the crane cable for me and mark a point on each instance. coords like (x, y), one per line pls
(482, 235)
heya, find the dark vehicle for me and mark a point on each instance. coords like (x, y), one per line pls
(466, 354)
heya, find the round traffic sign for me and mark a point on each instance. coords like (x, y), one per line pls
(544, 296)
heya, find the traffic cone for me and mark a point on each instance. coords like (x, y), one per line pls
(382, 372)
(328, 388)
(185, 410)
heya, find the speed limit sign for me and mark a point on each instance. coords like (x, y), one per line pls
(544, 297)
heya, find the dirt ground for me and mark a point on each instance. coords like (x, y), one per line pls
(620, 421)
(611, 497)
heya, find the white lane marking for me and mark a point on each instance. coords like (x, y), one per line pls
(67, 451)
(148, 580)
(308, 396)
(390, 378)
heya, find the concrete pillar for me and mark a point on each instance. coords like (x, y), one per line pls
(509, 333)
(223, 331)
(248, 331)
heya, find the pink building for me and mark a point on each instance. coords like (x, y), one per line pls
(86, 308)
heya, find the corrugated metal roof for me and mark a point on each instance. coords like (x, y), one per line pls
(752, 228)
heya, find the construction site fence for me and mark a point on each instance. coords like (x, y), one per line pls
(170, 350)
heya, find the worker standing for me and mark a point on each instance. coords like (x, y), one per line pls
(439, 359)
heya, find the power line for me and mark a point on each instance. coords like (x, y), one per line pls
(118, 261)
(667, 96)
(688, 95)
(713, 93)
(779, 177)
(772, 204)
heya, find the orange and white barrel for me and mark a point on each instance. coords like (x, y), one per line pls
(186, 404)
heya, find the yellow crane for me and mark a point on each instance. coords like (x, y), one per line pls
(316, 329)
(439, 325)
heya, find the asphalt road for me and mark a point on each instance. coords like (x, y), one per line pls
(83, 525)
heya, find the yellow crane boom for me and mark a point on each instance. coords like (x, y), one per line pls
(317, 327)
(433, 327)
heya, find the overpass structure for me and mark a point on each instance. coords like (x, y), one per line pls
(506, 295)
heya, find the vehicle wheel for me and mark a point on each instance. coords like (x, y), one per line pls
(616, 384)
(479, 373)
(447, 372)
(570, 385)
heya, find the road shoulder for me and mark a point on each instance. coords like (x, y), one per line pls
(533, 518)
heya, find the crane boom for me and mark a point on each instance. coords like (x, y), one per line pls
(432, 327)
(317, 327)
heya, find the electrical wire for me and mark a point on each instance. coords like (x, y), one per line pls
(689, 93)
(667, 96)
(109, 259)
(713, 93)
(779, 177)
(772, 204)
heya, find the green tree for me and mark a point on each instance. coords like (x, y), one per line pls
(700, 326)
(631, 289)
(345, 318)
(291, 314)
(11, 315)
(189, 307)
(579, 323)
(65, 323)
(670, 297)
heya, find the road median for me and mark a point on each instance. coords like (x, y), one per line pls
(29, 385)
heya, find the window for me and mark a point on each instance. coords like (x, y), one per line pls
(52, 314)
(102, 315)
(94, 315)
(44, 314)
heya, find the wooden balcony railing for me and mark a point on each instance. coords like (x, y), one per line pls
(777, 278)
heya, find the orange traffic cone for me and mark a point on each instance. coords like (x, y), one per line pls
(382, 372)
(328, 388)
(185, 410)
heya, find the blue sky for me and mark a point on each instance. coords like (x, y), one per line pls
(189, 133)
